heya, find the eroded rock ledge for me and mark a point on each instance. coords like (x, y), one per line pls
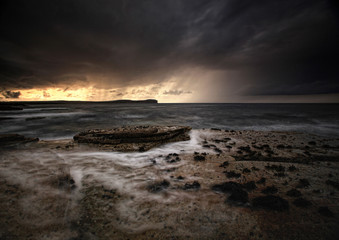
(133, 138)
(12, 139)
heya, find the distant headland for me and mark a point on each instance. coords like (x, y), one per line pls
(19, 105)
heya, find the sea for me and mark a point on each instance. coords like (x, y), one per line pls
(130, 173)
(64, 120)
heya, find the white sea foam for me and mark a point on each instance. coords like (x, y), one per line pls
(129, 116)
(127, 173)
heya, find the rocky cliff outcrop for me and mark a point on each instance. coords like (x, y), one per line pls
(133, 138)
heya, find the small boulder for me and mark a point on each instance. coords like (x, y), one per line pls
(226, 187)
(199, 158)
(325, 211)
(277, 168)
(224, 164)
(292, 168)
(180, 177)
(232, 174)
(261, 181)
(195, 186)
(270, 190)
(158, 186)
(238, 195)
(293, 193)
(270, 202)
(249, 186)
(301, 202)
(303, 183)
(333, 184)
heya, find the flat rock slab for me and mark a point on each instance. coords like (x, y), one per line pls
(133, 138)
(12, 139)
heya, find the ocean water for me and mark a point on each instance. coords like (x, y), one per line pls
(130, 173)
(64, 120)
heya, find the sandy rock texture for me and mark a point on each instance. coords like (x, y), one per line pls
(133, 138)
(221, 184)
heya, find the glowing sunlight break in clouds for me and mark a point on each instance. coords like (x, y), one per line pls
(161, 92)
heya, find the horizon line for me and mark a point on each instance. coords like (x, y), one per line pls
(157, 102)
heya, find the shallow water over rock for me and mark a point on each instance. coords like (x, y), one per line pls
(64, 190)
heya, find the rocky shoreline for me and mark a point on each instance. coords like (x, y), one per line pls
(133, 138)
(221, 184)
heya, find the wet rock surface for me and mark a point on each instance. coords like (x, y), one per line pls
(294, 193)
(271, 202)
(224, 164)
(270, 190)
(238, 195)
(226, 187)
(325, 211)
(199, 156)
(158, 186)
(235, 189)
(12, 139)
(65, 190)
(133, 138)
(192, 186)
(303, 183)
(172, 158)
(249, 186)
(261, 181)
(333, 184)
(301, 202)
(232, 174)
(62, 181)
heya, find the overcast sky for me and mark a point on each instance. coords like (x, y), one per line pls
(172, 50)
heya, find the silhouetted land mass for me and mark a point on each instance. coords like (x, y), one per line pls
(19, 105)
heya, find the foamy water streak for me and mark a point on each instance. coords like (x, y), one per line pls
(124, 171)
(129, 174)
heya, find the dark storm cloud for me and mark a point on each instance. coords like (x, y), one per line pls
(10, 94)
(176, 92)
(277, 47)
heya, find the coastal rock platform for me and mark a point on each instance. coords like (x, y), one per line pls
(12, 139)
(223, 184)
(133, 138)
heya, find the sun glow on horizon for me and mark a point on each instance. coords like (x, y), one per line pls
(50, 94)
(166, 92)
